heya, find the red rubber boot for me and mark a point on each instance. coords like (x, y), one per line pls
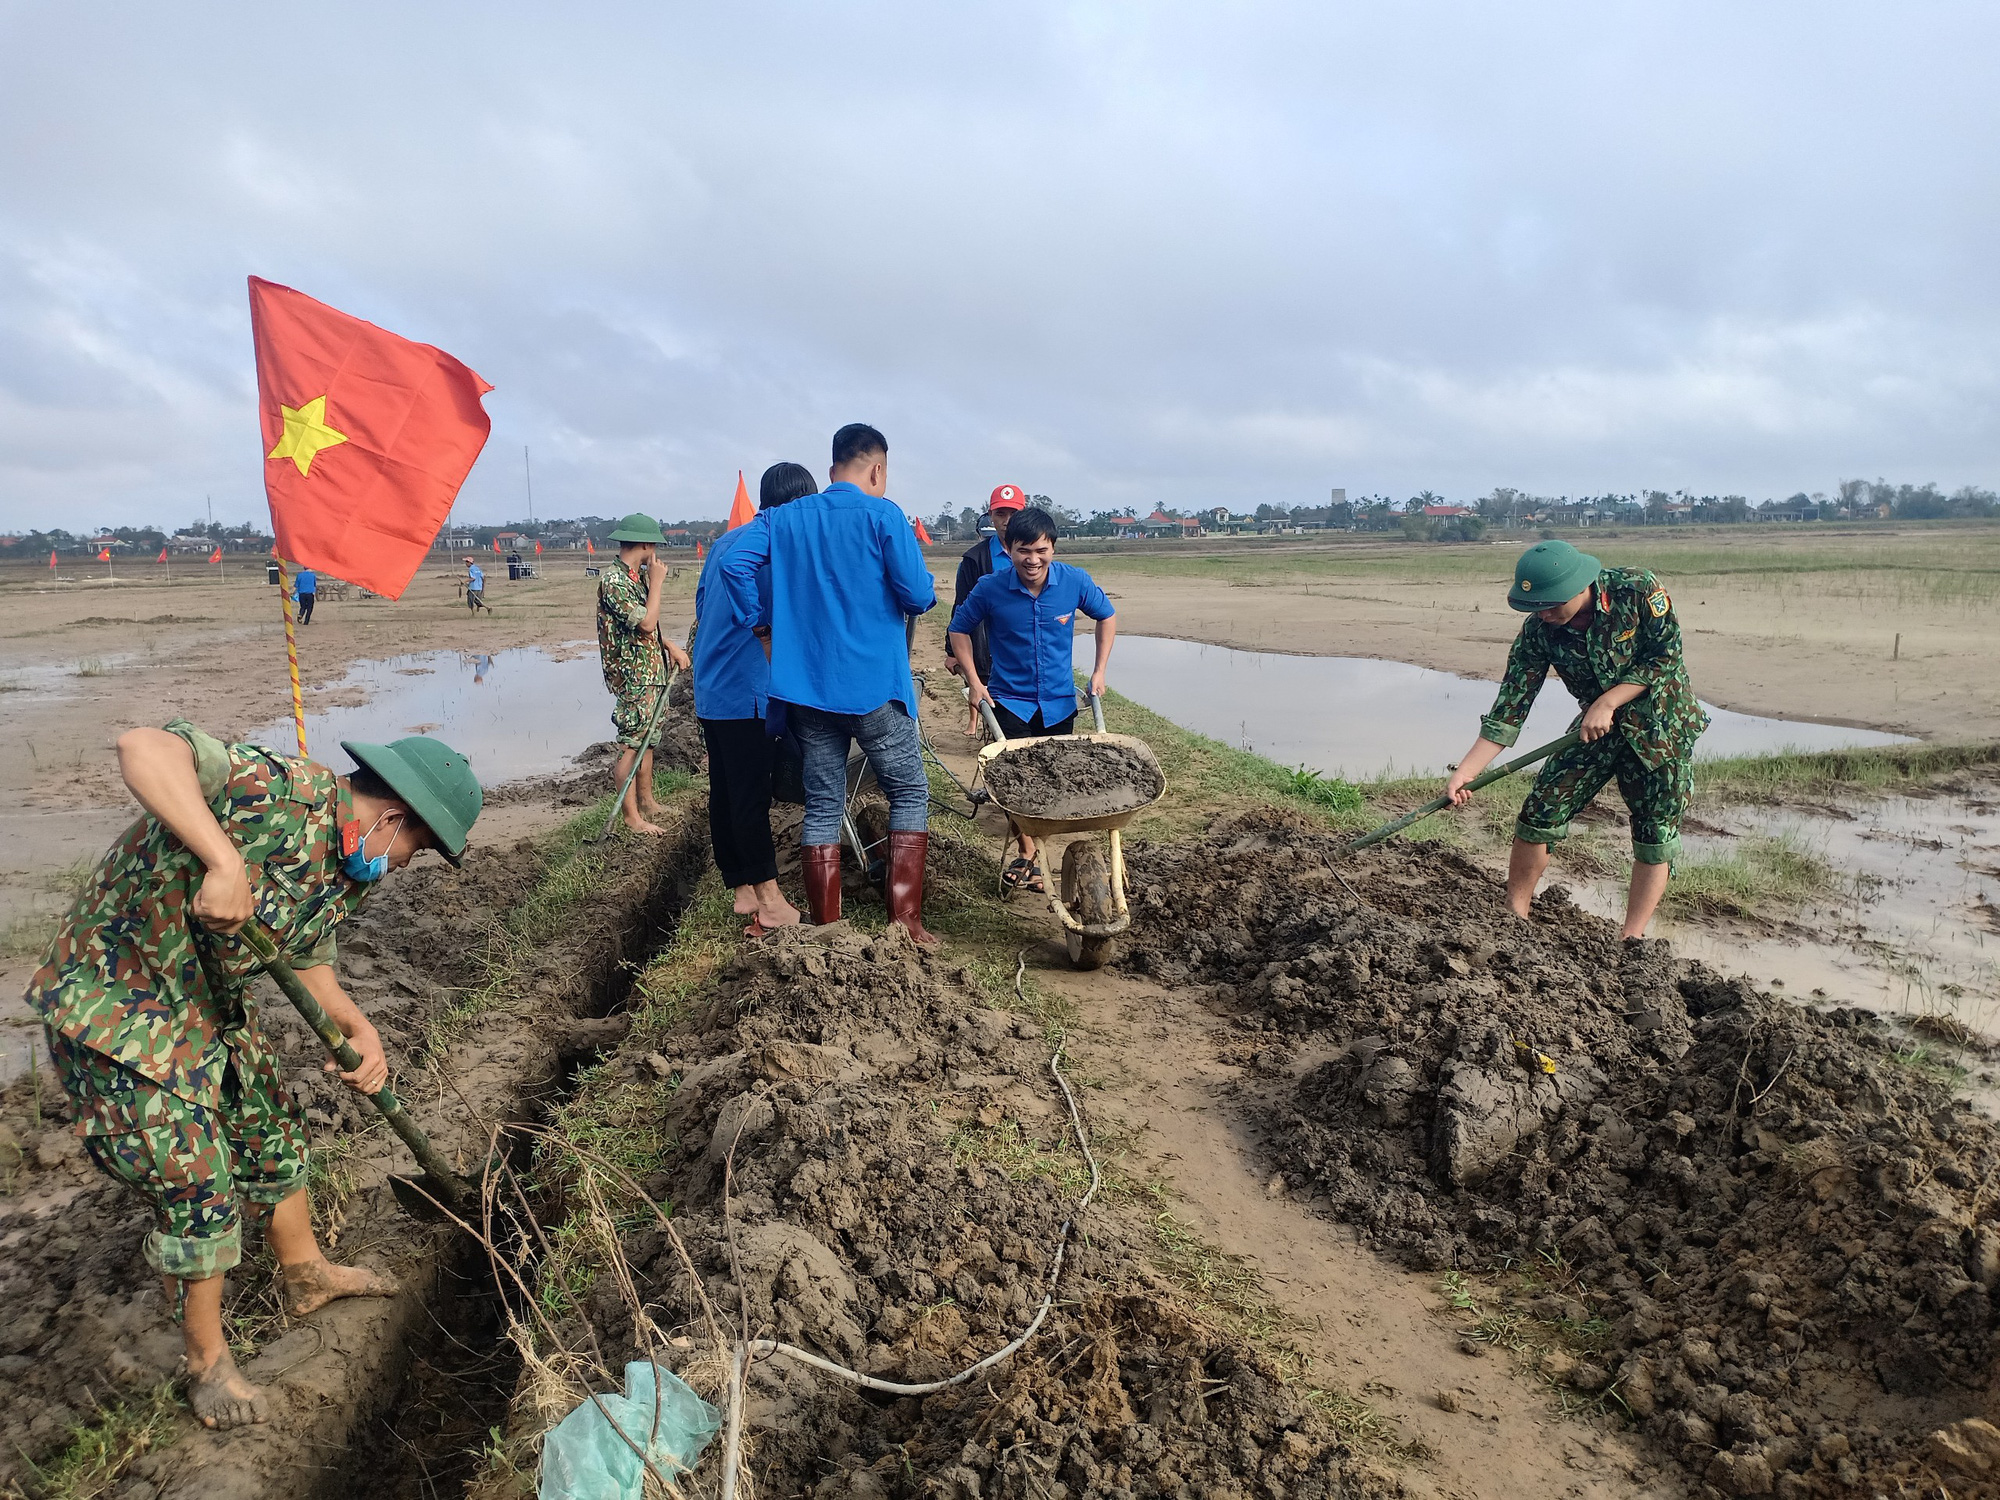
(822, 869)
(906, 885)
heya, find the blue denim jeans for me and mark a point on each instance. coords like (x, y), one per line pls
(888, 737)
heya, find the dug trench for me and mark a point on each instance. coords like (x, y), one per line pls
(490, 984)
(1758, 1234)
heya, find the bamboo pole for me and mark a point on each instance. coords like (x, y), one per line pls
(292, 656)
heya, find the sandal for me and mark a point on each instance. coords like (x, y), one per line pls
(1022, 875)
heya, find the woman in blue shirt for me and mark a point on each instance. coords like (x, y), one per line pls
(732, 688)
(1030, 611)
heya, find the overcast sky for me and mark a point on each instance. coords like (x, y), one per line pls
(1118, 254)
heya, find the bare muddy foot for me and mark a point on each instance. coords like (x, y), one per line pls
(222, 1398)
(310, 1285)
(640, 825)
(777, 914)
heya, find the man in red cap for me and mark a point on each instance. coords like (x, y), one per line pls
(987, 555)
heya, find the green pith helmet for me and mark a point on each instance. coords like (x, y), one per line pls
(434, 779)
(639, 527)
(1550, 572)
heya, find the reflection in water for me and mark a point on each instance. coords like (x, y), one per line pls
(531, 714)
(1355, 716)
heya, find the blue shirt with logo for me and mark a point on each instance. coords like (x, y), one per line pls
(732, 676)
(844, 571)
(1032, 636)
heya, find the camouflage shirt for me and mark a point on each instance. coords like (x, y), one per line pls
(632, 657)
(132, 972)
(1631, 636)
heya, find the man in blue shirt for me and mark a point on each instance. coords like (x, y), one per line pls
(987, 555)
(305, 585)
(845, 572)
(475, 588)
(1030, 611)
(732, 688)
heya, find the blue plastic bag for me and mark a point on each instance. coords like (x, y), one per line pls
(584, 1459)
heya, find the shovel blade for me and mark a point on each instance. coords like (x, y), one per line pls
(425, 1198)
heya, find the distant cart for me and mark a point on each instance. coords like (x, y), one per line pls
(1092, 907)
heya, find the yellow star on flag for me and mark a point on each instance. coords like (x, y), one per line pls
(306, 433)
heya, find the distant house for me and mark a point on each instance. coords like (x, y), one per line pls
(1448, 512)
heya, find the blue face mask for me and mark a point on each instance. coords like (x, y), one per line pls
(356, 863)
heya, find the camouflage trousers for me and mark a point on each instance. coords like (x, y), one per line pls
(191, 1162)
(630, 712)
(1657, 799)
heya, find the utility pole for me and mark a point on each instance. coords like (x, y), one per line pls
(528, 470)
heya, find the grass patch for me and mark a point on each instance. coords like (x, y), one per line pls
(1017, 1155)
(1757, 874)
(100, 1452)
(91, 666)
(1794, 774)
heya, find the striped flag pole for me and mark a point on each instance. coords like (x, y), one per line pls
(292, 653)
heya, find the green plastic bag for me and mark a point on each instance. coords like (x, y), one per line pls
(584, 1459)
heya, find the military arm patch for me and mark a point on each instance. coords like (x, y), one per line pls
(1658, 603)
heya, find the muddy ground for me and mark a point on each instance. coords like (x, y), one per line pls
(1772, 1232)
(885, 1131)
(481, 1023)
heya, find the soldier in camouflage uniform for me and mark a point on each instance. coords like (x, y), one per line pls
(629, 642)
(145, 995)
(1611, 636)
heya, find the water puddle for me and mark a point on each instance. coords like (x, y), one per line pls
(1358, 717)
(513, 714)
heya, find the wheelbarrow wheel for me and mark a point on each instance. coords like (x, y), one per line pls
(1086, 891)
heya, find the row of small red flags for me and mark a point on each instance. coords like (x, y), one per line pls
(104, 555)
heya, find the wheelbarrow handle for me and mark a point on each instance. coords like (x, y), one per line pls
(1438, 804)
(384, 1099)
(1097, 712)
(992, 724)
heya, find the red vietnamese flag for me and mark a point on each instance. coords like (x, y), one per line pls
(922, 535)
(586, 547)
(216, 555)
(104, 554)
(52, 558)
(496, 544)
(367, 438)
(741, 511)
(698, 550)
(163, 555)
(538, 549)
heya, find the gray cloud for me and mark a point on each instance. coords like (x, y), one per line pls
(1114, 253)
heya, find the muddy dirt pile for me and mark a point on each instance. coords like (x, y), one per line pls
(1073, 778)
(1781, 1235)
(900, 1180)
(81, 1321)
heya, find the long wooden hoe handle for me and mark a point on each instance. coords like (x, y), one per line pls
(1437, 804)
(259, 943)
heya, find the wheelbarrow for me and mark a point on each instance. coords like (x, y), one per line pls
(1092, 906)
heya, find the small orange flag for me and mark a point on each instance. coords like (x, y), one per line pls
(216, 555)
(104, 554)
(538, 549)
(52, 559)
(741, 511)
(163, 555)
(922, 535)
(587, 547)
(698, 552)
(496, 544)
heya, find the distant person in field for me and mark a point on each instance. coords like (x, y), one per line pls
(985, 556)
(475, 588)
(1610, 634)
(305, 585)
(151, 1019)
(732, 692)
(634, 657)
(845, 572)
(1029, 611)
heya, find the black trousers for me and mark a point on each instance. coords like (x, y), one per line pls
(1017, 728)
(740, 754)
(306, 608)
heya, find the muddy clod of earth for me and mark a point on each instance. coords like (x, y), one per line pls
(902, 1169)
(1073, 778)
(1775, 1226)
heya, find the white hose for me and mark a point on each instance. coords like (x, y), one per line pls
(762, 1348)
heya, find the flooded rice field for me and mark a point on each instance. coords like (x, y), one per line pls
(1359, 717)
(512, 713)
